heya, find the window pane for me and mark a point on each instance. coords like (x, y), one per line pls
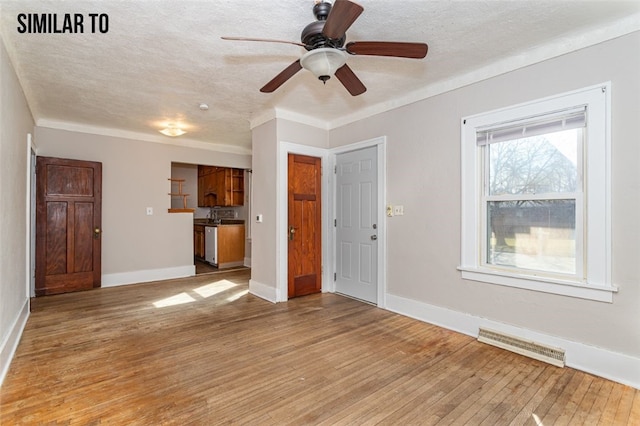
(536, 165)
(536, 235)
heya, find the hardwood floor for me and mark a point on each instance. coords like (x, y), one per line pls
(202, 351)
(206, 268)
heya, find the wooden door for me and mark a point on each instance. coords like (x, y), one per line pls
(68, 225)
(356, 227)
(305, 238)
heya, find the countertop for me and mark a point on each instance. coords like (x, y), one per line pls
(209, 222)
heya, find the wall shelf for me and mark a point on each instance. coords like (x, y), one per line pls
(184, 208)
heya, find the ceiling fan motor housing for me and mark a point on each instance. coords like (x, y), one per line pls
(321, 10)
(312, 36)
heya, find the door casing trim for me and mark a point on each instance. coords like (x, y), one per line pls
(328, 212)
(284, 149)
(32, 154)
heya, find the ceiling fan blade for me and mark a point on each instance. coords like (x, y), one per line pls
(388, 48)
(284, 75)
(268, 40)
(350, 81)
(343, 13)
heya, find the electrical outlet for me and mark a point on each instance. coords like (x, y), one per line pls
(398, 210)
(389, 210)
(149, 211)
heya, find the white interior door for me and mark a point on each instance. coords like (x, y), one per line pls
(356, 227)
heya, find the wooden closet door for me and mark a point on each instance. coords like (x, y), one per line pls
(305, 218)
(68, 225)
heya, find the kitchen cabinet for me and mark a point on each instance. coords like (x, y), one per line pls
(230, 245)
(230, 240)
(234, 187)
(220, 186)
(198, 241)
(207, 186)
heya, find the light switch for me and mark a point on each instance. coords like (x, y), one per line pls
(149, 211)
(398, 210)
(259, 218)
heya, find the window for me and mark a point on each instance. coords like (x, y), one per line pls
(535, 195)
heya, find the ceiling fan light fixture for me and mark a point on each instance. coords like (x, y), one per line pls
(323, 62)
(172, 131)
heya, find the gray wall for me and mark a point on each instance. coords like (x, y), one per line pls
(263, 235)
(15, 123)
(266, 249)
(134, 177)
(423, 174)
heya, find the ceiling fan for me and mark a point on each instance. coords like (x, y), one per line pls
(324, 40)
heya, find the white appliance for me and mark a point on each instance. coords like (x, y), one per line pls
(211, 244)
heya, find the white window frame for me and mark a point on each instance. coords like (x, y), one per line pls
(595, 283)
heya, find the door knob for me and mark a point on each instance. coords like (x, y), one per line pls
(96, 233)
(292, 231)
(374, 237)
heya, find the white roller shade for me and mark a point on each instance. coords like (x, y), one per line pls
(534, 126)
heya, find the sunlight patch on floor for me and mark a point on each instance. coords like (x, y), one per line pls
(202, 292)
(237, 295)
(214, 288)
(178, 299)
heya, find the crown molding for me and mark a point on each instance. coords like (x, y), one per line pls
(284, 114)
(125, 134)
(562, 46)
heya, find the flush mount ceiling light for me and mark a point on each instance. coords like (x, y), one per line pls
(323, 62)
(172, 131)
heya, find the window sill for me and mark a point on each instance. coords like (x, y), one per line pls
(542, 284)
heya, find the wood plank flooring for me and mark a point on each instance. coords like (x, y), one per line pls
(206, 268)
(202, 351)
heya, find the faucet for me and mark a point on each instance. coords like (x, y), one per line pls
(213, 215)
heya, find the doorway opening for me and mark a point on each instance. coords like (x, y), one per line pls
(328, 213)
(220, 204)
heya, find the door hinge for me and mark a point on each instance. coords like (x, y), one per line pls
(335, 222)
(335, 276)
(335, 169)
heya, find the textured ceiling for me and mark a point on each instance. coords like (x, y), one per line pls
(161, 58)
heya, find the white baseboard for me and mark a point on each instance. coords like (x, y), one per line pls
(247, 262)
(133, 277)
(10, 342)
(610, 365)
(263, 291)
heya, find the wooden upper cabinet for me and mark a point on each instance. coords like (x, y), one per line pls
(231, 187)
(207, 190)
(220, 186)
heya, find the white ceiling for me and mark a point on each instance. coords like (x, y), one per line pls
(161, 58)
